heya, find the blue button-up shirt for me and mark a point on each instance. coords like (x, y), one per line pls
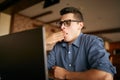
(86, 52)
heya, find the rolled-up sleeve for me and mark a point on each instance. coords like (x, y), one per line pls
(98, 57)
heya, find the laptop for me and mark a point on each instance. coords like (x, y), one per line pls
(23, 55)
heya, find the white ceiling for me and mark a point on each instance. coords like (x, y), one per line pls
(98, 15)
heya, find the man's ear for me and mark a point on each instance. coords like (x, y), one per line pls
(81, 25)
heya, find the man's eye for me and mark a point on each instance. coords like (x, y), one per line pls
(67, 22)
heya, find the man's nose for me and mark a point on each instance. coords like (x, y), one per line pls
(62, 26)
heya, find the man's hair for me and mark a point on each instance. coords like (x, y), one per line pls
(75, 11)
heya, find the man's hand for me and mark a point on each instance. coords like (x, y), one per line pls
(56, 37)
(60, 73)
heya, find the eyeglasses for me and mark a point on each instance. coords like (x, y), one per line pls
(66, 23)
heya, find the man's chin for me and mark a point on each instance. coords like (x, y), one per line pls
(65, 40)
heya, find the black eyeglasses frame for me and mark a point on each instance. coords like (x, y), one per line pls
(66, 23)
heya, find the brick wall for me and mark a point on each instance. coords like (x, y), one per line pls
(21, 23)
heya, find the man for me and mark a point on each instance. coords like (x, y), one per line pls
(78, 56)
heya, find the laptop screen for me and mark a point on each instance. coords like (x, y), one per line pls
(23, 56)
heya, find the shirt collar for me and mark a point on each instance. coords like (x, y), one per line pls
(77, 41)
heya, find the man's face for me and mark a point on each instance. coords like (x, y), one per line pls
(71, 27)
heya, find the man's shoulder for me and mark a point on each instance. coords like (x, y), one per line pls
(89, 36)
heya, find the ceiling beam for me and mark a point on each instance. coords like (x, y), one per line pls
(19, 5)
(115, 30)
(7, 3)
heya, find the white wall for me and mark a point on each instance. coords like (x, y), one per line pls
(4, 24)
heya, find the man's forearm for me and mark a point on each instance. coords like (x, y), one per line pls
(89, 75)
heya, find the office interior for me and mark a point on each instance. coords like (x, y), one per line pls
(101, 18)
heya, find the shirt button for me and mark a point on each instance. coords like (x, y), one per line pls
(69, 52)
(69, 65)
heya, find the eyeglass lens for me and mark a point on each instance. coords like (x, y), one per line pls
(65, 23)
